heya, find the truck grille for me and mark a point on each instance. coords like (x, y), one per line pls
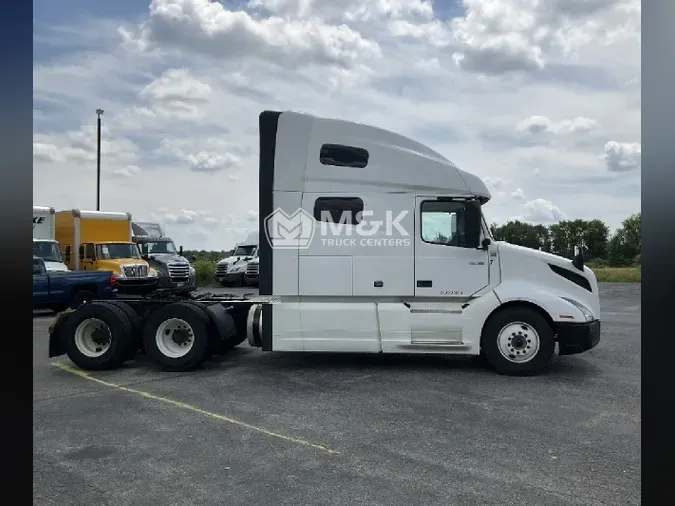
(135, 271)
(179, 271)
(221, 269)
(252, 269)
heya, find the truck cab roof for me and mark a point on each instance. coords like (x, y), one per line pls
(344, 156)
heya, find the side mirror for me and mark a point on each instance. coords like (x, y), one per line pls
(472, 224)
(180, 251)
(578, 260)
(486, 242)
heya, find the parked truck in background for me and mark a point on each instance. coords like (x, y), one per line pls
(101, 241)
(173, 269)
(231, 270)
(252, 274)
(59, 290)
(394, 256)
(45, 245)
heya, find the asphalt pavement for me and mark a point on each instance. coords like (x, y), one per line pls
(276, 428)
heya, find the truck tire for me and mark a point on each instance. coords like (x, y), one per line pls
(518, 341)
(176, 337)
(97, 336)
(80, 297)
(136, 325)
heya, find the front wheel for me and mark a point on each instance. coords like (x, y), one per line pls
(518, 341)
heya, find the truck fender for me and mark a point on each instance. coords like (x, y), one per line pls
(223, 323)
(56, 348)
(549, 303)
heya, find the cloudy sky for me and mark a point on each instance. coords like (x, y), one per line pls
(541, 98)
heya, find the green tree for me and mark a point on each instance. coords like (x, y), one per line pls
(595, 239)
(522, 234)
(625, 247)
(589, 235)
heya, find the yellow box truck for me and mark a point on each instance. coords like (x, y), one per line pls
(101, 241)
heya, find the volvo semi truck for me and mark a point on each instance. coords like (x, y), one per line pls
(45, 245)
(101, 241)
(369, 242)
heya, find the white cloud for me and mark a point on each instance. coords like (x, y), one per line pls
(496, 183)
(182, 83)
(622, 156)
(542, 211)
(537, 124)
(126, 172)
(518, 194)
(208, 27)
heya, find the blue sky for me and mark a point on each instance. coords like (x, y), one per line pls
(540, 100)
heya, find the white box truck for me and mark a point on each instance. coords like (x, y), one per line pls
(369, 242)
(45, 245)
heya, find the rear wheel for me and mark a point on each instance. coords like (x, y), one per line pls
(97, 336)
(176, 337)
(136, 325)
(518, 341)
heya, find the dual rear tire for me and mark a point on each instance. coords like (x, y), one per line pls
(104, 334)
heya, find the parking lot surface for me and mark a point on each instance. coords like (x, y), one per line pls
(276, 428)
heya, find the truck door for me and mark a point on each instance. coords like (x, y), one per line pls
(87, 257)
(444, 266)
(40, 283)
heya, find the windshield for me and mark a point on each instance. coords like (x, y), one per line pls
(153, 248)
(115, 251)
(244, 251)
(48, 251)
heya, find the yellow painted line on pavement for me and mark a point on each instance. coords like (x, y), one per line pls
(189, 407)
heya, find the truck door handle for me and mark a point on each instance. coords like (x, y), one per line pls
(424, 283)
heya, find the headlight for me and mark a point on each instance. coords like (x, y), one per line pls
(120, 274)
(192, 271)
(588, 315)
(153, 273)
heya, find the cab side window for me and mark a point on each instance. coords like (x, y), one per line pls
(443, 223)
(37, 268)
(346, 210)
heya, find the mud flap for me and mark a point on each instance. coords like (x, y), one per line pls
(56, 348)
(225, 328)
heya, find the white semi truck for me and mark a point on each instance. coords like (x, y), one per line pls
(45, 245)
(369, 242)
(232, 269)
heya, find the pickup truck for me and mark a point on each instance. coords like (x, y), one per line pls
(62, 290)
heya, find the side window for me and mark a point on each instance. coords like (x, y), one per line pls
(442, 222)
(37, 268)
(345, 210)
(343, 156)
(87, 251)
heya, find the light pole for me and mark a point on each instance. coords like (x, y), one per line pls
(99, 113)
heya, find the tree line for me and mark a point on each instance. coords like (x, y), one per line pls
(599, 247)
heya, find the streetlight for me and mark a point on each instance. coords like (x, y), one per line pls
(99, 113)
